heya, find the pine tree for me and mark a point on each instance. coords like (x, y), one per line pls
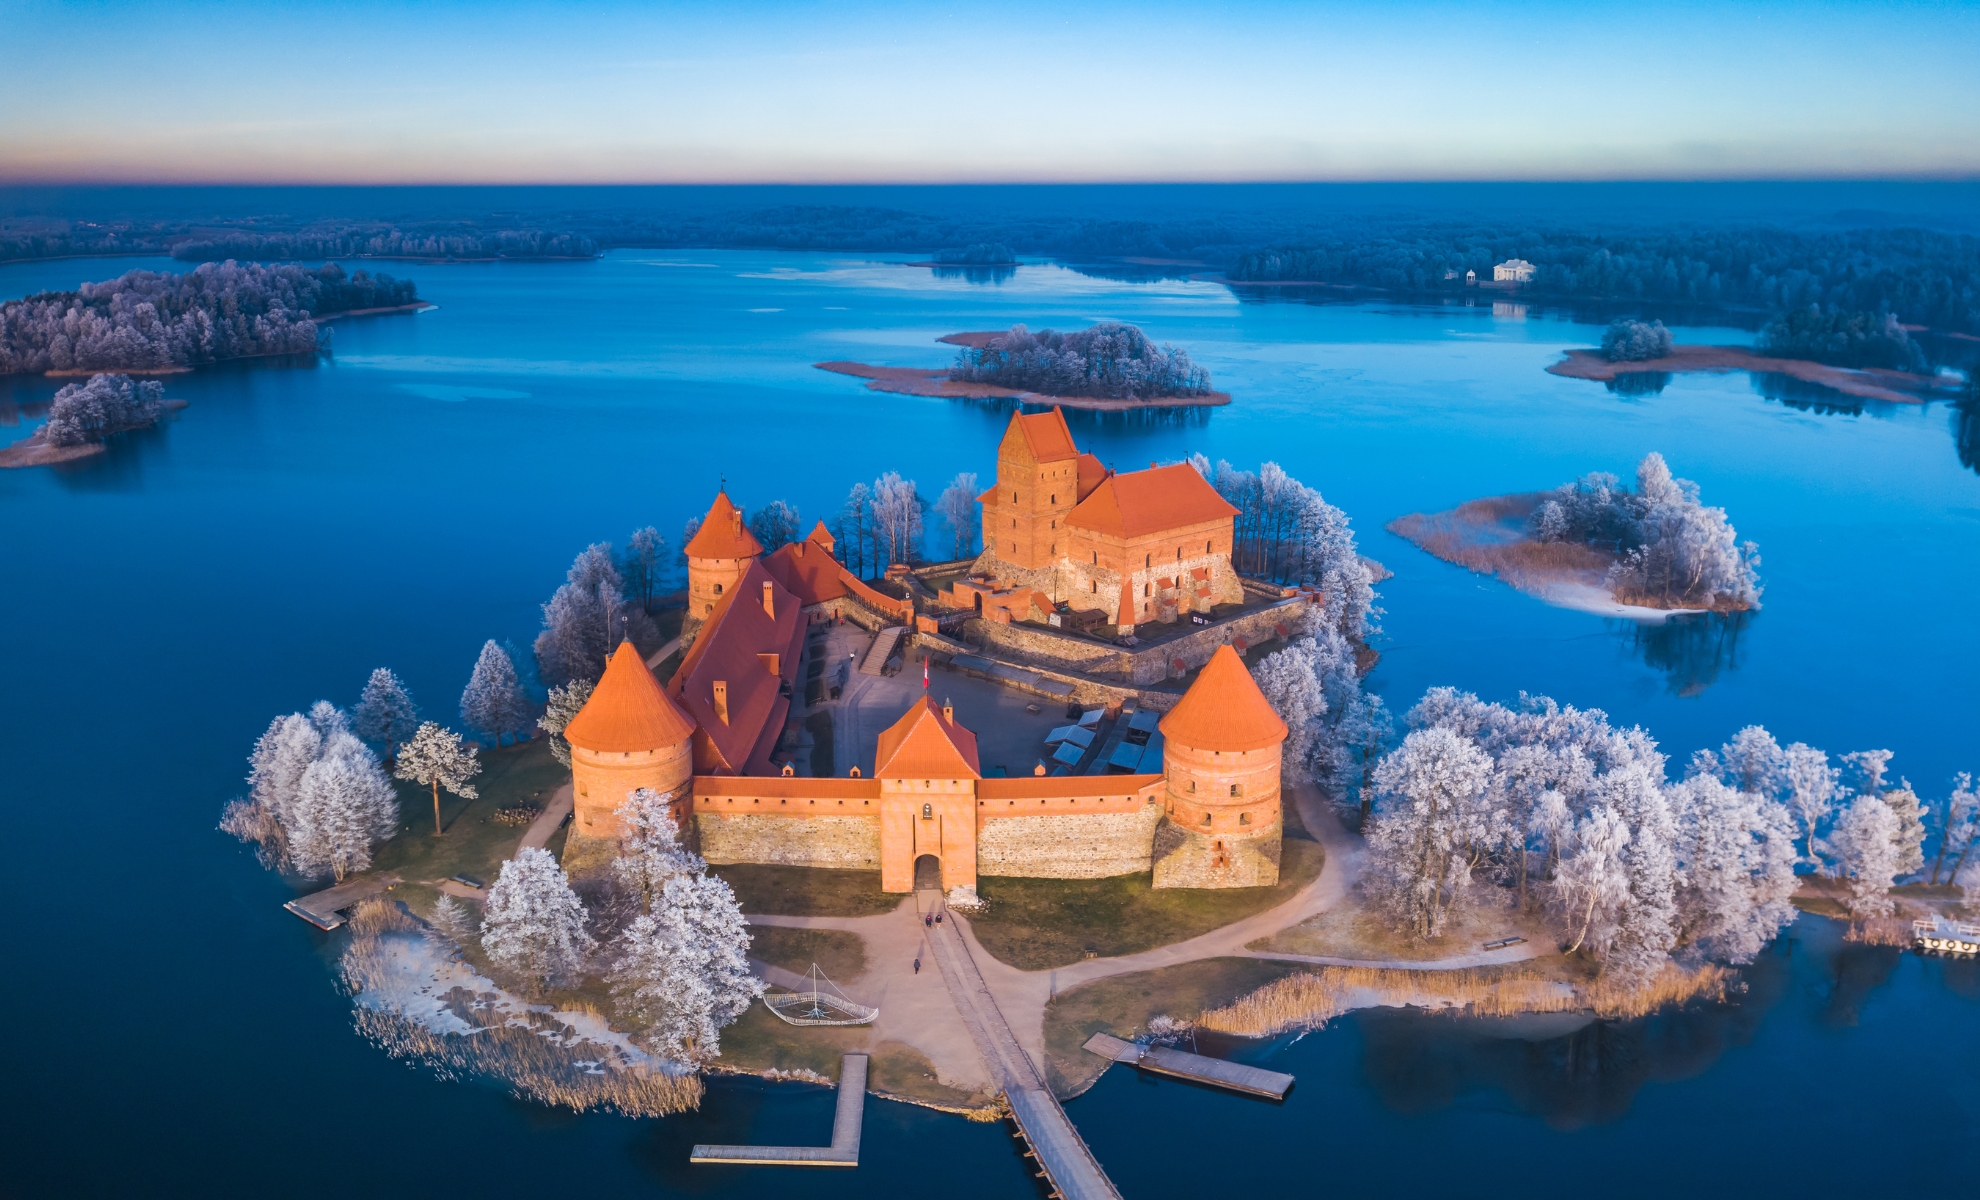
(343, 804)
(1866, 852)
(437, 758)
(385, 713)
(493, 701)
(682, 970)
(275, 771)
(565, 703)
(534, 926)
(650, 850)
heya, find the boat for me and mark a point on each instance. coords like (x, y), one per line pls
(1941, 935)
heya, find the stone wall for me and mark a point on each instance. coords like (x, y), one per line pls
(1110, 663)
(851, 843)
(1184, 859)
(1082, 846)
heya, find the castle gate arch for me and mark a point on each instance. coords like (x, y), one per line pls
(927, 873)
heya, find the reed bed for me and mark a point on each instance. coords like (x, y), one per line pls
(1311, 999)
(1474, 536)
(539, 1057)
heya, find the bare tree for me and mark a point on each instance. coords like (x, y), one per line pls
(957, 506)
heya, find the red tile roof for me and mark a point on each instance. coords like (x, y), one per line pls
(1140, 503)
(628, 711)
(722, 533)
(726, 650)
(924, 744)
(1056, 787)
(1224, 710)
(808, 569)
(1091, 472)
(1046, 435)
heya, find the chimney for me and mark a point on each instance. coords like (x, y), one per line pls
(1039, 769)
(801, 548)
(771, 661)
(769, 603)
(722, 701)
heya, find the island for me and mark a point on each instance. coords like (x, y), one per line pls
(83, 417)
(1596, 545)
(148, 322)
(1110, 367)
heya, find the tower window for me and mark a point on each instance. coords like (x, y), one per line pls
(1237, 789)
(1206, 547)
(1055, 497)
(1096, 587)
(718, 589)
(1147, 560)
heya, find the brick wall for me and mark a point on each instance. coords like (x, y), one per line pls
(1184, 859)
(851, 843)
(1149, 664)
(1083, 846)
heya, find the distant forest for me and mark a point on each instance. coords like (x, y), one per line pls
(145, 320)
(1920, 276)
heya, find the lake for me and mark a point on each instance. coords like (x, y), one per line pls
(424, 488)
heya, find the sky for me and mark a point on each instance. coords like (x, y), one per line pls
(859, 91)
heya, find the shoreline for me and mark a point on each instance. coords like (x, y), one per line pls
(34, 451)
(935, 382)
(417, 306)
(1869, 383)
(1478, 535)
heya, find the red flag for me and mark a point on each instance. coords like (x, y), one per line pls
(924, 673)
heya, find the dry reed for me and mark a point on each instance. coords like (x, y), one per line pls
(537, 1056)
(1309, 1000)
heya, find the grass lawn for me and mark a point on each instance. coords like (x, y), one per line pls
(473, 844)
(839, 954)
(898, 1069)
(808, 891)
(1122, 1005)
(1351, 931)
(1039, 923)
(759, 1041)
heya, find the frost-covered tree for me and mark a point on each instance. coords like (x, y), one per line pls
(1110, 359)
(385, 713)
(897, 518)
(1635, 341)
(451, 921)
(1431, 828)
(1958, 826)
(493, 701)
(650, 850)
(957, 506)
(1591, 885)
(586, 617)
(534, 925)
(1286, 531)
(643, 565)
(327, 719)
(775, 525)
(682, 970)
(436, 758)
(343, 804)
(107, 404)
(1864, 845)
(1753, 762)
(1647, 930)
(1290, 680)
(1315, 686)
(1870, 767)
(852, 531)
(1673, 549)
(1812, 789)
(1736, 859)
(564, 703)
(275, 771)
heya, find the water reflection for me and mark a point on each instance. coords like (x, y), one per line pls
(1086, 421)
(1806, 396)
(1966, 433)
(1689, 648)
(1588, 1074)
(975, 273)
(1639, 383)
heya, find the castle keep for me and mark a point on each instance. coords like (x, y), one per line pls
(1138, 547)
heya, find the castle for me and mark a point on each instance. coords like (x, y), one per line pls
(706, 740)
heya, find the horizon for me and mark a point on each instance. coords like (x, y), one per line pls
(797, 94)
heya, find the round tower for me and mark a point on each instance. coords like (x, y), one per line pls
(717, 555)
(629, 735)
(1221, 747)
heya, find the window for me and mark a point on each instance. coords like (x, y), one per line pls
(1013, 497)
(1178, 553)
(927, 812)
(1096, 587)
(1055, 497)
(718, 589)
(1192, 785)
(1206, 548)
(1096, 558)
(1147, 590)
(1237, 789)
(1244, 818)
(1147, 560)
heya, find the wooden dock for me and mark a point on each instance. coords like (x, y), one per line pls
(1065, 1162)
(325, 909)
(1197, 1068)
(846, 1119)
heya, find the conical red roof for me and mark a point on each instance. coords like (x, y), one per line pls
(722, 533)
(925, 744)
(1224, 710)
(628, 711)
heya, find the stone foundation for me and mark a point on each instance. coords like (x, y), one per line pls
(846, 843)
(1083, 846)
(1187, 859)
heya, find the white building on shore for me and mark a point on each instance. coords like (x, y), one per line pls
(1513, 270)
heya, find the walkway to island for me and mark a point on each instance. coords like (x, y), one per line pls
(846, 1118)
(1069, 1166)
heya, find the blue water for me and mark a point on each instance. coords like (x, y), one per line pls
(425, 487)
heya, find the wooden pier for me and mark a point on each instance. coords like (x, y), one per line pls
(846, 1118)
(325, 909)
(1197, 1068)
(1065, 1162)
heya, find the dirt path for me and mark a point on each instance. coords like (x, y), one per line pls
(545, 825)
(926, 1018)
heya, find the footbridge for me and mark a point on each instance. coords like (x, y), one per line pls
(1064, 1160)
